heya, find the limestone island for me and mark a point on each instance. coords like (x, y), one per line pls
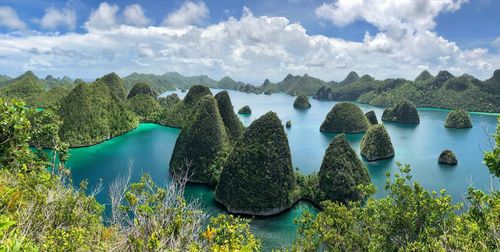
(404, 112)
(345, 118)
(376, 144)
(341, 172)
(200, 144)
(372, 118)
(245, 110)
(234, 127)
(447, 157)
(302, 102)
(258, 178)
(458, 119)
(142, 88)
(288, 124)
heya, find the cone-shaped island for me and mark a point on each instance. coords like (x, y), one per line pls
(258, 177)
(341, 172)
(376, 144)
(302, 102)
(372, 118)
(458, 119)
(404, 112)
(233, 125)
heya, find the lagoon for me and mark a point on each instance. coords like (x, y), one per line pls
(149, 147)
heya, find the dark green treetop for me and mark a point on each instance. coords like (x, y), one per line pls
(258, 177)
(345, 117)
(115, 84)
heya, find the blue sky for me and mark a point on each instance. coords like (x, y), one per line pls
(250, 40)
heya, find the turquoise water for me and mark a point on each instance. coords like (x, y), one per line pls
(149, 147)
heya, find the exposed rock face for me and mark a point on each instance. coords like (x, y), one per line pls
(246, 110)
(403, 112)
(376, 144)
(258, 177)
(458, 119)
(302, 102)
(200, 144)
(372, 117)
(233, 125)
(142, 88)
(345, 118)
(447, 157)
(341, 172)
(324, 93)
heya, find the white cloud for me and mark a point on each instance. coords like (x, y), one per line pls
(55, 18)
(134, 15)
(103, 18)
(9, 19)
(250, 48)
(496, 43)
(189, 13)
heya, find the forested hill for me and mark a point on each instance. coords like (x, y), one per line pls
(441, 91)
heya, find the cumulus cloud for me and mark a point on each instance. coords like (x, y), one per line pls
(104, 17)
(9, 19)
(55, 18)
(496, 43)
(134, 15)
(189, 13)
(249, 48)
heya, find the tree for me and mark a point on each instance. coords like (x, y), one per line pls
(492, 158)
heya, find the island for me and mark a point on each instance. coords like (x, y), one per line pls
(341, 172)
(245, 110)
(345, 117)
(372, 117)
(376, 144)
(258, 178)
(458, 119)
(447, 157)
(404, 112)
(302, 102)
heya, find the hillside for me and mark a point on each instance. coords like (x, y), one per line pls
(441, 91)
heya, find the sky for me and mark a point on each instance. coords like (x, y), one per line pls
(250, 40)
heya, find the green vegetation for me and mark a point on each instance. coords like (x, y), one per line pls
(42, 211)
(245, 110)
(288, 124)
(350, 78)
(234, 127)
(372, 117)
(169, 101)
(202, 147)
(403, 112)
(341, 173)
(258, 178)
(294, 85)
(492, 158)
(142, 88)
(459, 119)
(443, 91)
(302, 102)
(345, 118)
(179, 115)
(115, 85)
(376, 144)
(92, 113)
(145, 107)
(447, 157)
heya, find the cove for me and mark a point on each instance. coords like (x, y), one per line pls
(148, 149)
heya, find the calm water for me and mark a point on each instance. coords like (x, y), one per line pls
(149, 147)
